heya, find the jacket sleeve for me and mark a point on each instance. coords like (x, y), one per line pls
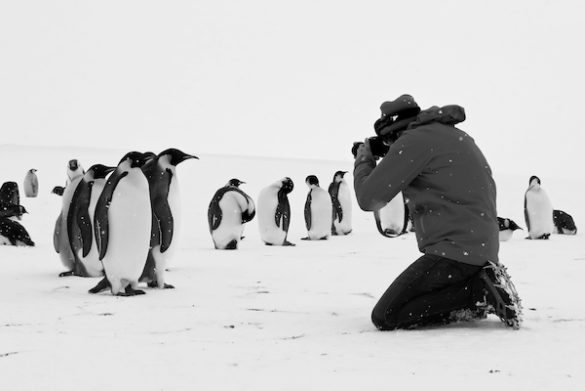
(375, 185)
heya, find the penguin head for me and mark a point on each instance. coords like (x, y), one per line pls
(512, 225)
(73, 164)
(287, 184)
(175, 156)
(312, 181)
(99, 171)
(235, 182)
(338, 177)
(32, 170)
(534, 180)
(134, 159)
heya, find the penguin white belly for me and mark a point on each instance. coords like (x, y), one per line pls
(540, 213)
(505, 235)
(231, 227)
(129, 226)
(344, 197)
(65, 253)
(91, 262)
(392, 215)
(321, 214)
(266, 210)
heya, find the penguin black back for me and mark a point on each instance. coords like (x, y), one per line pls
(14, 232)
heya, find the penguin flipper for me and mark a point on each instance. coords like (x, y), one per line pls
(250, 212)
(78, 220)
(337, 210)
(526, 215)
(282, 211)
(162, 211)
(308, 221)
(101, 213)
(214, 214)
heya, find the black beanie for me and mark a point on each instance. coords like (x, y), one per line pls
(396, 115)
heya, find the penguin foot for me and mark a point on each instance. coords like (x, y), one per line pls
(168, 286)
(268, 244)
(131, 292)
(233, 245)
(305, 238)
(67, 273)
(102, 285)
(324, 238)
(287, 243)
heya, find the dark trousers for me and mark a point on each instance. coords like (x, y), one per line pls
(427, 292)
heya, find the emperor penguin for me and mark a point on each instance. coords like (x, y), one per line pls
(318, 211)
(229, 209)
(507, 228)
(274, 213)
(60, 237)
(564, 223)
(538, 211)
(342, 204)
(13, 233)
(161, 173)
(80, 220)
(392, 218)
(122, 225)
(31, 183)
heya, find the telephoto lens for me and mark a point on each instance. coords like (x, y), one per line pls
(378, 146)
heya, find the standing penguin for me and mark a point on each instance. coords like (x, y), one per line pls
(274, 213)
(318, 211)
(538, 211)
(60, 237)
(31, 183)
(122, 226)
(13, 233)
(507, 228)
(392, 218)
(80, 221)
(165, 199)
(229, 209)
(341, 200)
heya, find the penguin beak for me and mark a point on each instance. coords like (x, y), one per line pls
(109, 169)
(186, 157)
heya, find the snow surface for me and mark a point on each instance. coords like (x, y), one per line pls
(277, 318)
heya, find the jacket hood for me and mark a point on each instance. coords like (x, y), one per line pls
(448, 115)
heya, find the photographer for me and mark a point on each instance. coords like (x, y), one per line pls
(451, 196)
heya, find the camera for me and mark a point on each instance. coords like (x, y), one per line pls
(378, 145)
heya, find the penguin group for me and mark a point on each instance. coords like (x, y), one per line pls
(121, 222)
(326, 212)
(540, 217)
(12, 232)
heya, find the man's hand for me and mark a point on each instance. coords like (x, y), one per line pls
(364, 152)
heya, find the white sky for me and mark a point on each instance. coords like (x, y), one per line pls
(299, 78)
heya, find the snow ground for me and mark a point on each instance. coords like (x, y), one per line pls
(273, 318)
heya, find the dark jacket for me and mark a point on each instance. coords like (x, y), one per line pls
(447, 184)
